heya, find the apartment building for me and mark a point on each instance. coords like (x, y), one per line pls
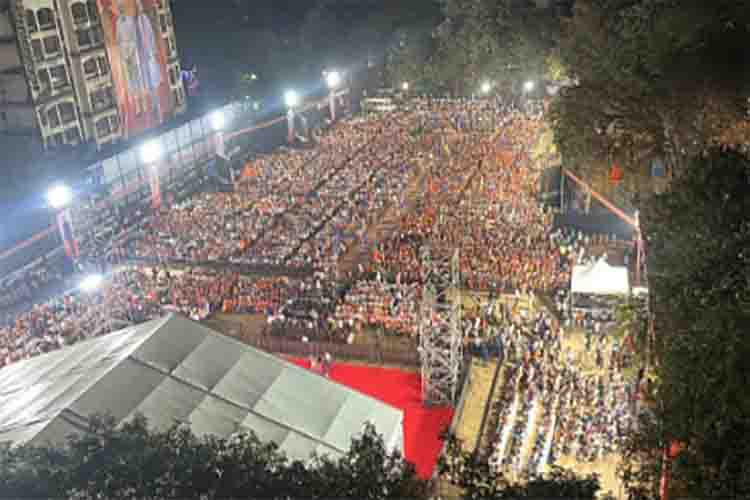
(72, 73)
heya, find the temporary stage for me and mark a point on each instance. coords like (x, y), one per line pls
(173, 370)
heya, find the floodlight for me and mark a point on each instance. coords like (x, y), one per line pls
(59, 196)
(291, 99)
(529, 86)
(333, 79)
(150, 152)
(405, 85)
(217, 120)
(253, 76)
(486, 87)
(91, 283)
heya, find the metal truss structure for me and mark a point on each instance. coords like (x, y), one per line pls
(440, 332)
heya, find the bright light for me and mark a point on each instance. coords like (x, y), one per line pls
(486, 87)
(253, 76)
(405, 85)
(217, 120)
(291, 99)
(59, 196)
(91, 283)
(150, 152)
(529, 86)
(333, 79)
(256, 105)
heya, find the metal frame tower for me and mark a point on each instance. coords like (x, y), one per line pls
(440, 333)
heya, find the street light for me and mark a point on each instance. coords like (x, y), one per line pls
(291, 99)
(529, 86)
(405, 86)
(217, 120)
(59, 196)
(91, 283)
(486, 87)
(150, 152)
(333, 79)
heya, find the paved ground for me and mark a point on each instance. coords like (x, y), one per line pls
(475, 405)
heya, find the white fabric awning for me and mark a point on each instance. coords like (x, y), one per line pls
(600, 278)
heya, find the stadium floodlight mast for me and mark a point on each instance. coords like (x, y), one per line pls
(151, 152)
(218, 121)
(291, 99)
(405, 86)
(91, 283)
(486, 87)
(333, 79)
(59, 196)
(529, 86)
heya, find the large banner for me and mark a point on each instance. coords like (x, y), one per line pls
(138, 57)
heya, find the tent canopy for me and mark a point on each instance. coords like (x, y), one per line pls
(599, 278)
(173, 370)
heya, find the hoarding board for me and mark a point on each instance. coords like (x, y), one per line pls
(138, 58)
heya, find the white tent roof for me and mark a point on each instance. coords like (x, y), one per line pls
(599, 278)
(175, 370)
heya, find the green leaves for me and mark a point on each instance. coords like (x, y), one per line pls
(697, 234)
(132, 461)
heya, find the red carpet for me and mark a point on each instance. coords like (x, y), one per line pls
(422, 426)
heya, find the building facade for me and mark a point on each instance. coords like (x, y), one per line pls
(72, 71)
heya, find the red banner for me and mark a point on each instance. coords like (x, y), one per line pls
(65, 225)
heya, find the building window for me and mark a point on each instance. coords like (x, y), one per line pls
(79, 13)
(36, 50)
(72, 136)
(102, 99)
(58, 76)
(31, 21)
(43, 77)
(3, 116)
(53, 118)
(102, 128)
(51, 45)
(89, 68)
(103, 65)
(46, 18)
(93, 10)
(57, 139)
(67, 112)
(84, 38)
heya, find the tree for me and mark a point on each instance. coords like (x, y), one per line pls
(135, 462)
(698, 234)
(505, 41)
(651, 78)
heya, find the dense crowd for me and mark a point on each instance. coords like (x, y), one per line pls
(549, 406)
(477, 186)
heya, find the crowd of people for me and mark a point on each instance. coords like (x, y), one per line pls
(549, 406)
(309, 208)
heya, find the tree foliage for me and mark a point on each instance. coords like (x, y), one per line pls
(503, 41)
(135, 462)
(698, 234)
(652, 77)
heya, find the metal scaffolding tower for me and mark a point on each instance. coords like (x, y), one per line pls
(440, 333)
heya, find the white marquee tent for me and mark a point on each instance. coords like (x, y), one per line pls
(599, 278)
(175, 370)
